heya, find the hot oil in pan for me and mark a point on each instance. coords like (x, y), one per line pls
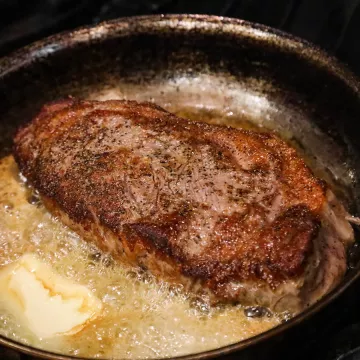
(216, 118)
(142, 318)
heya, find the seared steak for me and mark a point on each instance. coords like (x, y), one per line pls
(232, 213)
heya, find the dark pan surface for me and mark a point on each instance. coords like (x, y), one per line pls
(190, 62)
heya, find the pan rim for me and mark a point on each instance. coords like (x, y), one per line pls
(184, 22)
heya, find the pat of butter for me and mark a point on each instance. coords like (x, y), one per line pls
(44, 301)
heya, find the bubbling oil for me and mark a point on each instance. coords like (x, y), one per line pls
(142, 318)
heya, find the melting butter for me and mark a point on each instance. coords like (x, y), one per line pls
(47, 303)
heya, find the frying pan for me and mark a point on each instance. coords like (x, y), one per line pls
(238, 69)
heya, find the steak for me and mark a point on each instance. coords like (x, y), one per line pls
(232, 214)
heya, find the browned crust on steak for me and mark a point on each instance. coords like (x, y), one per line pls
(71, 153)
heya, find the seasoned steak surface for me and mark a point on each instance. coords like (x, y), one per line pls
(216, 205)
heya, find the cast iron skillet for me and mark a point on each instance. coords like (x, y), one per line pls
(190, 61)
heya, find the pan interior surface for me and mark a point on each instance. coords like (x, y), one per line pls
(205, 68)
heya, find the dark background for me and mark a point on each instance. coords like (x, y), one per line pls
(332, 24)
